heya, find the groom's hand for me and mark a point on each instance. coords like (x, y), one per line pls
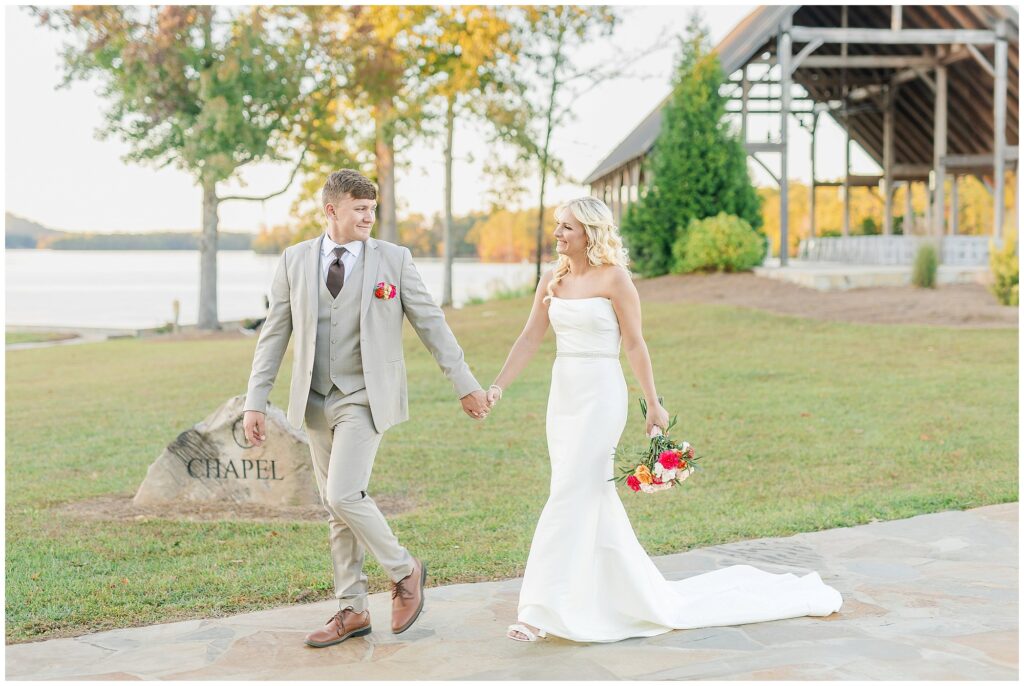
(475, 404)
(255, 424)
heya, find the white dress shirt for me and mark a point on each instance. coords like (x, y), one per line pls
(348, 258)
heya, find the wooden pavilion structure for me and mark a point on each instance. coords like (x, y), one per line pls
(930, 92)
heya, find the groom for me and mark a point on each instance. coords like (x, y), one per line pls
(343, 295)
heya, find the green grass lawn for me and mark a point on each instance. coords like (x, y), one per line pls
(803, 425)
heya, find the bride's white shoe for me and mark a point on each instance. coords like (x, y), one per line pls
(525, 631)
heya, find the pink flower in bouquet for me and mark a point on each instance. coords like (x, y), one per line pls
(633, 482)
(669, 459)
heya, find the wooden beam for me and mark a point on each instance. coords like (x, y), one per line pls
(767, 169)
(901, 77)
(856, 180)
(983, 161)
(753, 148)
(806, 34)
(910, 171)
(803, 54)
(980, 59)
(868, 61)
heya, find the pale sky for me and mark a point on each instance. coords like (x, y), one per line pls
(60, 175)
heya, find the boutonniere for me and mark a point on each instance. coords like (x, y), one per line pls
(385, 291)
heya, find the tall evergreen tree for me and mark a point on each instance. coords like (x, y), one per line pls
(699, 167)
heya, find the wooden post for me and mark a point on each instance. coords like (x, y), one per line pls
(999, 121)
(635, 182)
(785, 53)
(908, 210)
(887, 144)
(954, 206)
(939, 152)
(846, 177)
(612, 197)
(844, 14)
(814, 176)
(928, 205)
(745, 85)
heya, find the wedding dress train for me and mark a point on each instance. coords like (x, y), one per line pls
(587, 577)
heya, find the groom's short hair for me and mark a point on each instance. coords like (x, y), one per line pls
(347, 181)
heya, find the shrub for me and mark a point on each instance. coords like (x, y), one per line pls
(869, 227)
(722, 243)
(926, 263)
(1006, 270)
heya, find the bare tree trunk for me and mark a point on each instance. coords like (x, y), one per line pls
(540, 217)
(449, 243)
(208, 258)
(387, 221)
(547, 144)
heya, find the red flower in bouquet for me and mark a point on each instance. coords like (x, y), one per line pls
(385, 291)
(663, 464)
(669, 459)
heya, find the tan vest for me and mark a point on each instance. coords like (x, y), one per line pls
(338, 361)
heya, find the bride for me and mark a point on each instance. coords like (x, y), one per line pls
(587, 577)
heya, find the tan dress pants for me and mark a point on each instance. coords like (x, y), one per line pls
(343, 443)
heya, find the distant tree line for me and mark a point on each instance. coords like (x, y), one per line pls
(497, 236)
(165, 240)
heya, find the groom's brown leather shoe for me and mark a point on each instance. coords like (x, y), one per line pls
(344, 624)
(407, 598)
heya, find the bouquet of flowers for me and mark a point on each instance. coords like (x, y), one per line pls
(664, 464)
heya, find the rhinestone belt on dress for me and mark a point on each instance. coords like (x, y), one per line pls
(587, 354)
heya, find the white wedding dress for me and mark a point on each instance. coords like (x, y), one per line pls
(587, 577)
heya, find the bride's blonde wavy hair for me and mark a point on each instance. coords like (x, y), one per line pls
(604, 245)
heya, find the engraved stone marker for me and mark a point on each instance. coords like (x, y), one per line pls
(213, 462)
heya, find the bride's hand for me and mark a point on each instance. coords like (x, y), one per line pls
(657, 416)
(493, 395)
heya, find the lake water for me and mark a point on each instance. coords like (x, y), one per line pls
(128, 289)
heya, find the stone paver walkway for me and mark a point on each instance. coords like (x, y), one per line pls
(930, 597)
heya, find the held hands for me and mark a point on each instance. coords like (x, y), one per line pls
(475, 405)
(255, 424)
(493, 395)
(656, 416)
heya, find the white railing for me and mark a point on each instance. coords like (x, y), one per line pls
(955, 250)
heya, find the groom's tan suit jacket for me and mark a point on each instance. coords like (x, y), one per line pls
(293, 309)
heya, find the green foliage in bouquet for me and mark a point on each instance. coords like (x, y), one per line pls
(648, 457)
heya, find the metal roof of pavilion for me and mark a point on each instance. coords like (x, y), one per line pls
(970, 125)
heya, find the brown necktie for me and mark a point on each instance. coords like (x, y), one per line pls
(336, 273)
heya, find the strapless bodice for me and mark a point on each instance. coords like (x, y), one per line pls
(585, 326)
